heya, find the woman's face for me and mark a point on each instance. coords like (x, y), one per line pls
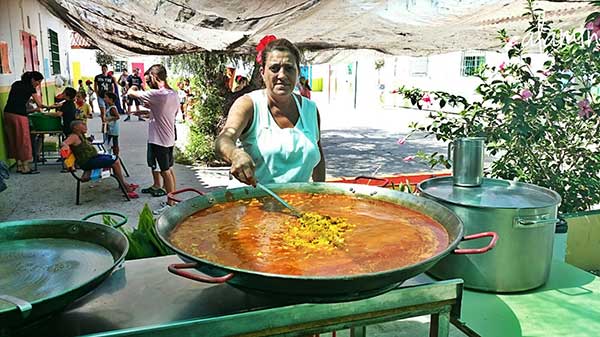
(36, 83)
(280, 72)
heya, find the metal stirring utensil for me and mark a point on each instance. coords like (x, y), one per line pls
(294, 211)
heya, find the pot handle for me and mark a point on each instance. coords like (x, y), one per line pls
(117, 225)
(487, 248)
(561, 226)
(450, 146)
(534, 223)
(187, 189)
(176, 268)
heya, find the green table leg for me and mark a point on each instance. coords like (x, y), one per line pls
(440, 324)
(358, 331)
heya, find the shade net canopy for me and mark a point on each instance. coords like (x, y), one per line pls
(399, 27)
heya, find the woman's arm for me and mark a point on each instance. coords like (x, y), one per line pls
(242, 165)
(71, 140)
(319, 170)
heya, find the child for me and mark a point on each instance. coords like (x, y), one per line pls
(67, 109)
(182, 98)
(90, 94)
(112, 118)
(84, 109)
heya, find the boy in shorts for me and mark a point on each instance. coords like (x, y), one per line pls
(112, 125)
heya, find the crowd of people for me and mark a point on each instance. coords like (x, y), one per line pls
(281, 111)
(75, 106)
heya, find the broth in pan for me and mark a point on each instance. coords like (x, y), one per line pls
(362, 236)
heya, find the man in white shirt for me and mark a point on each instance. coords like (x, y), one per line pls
(163, 103)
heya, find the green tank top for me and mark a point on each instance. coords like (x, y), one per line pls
(282, 155)
(83, 152)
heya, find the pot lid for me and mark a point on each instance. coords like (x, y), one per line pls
(494, 193)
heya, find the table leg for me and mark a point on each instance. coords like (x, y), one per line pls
(358, 331)
(440, 324)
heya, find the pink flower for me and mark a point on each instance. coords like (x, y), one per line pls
(261, 45)
(511, 42)
(426, 99)
(401, 141)
(502, 66)
(394, 91)
(546, 72)
(594, 28)
(585, 110)
(409, 158)
(526, 94)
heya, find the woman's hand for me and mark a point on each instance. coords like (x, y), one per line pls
(242, 167)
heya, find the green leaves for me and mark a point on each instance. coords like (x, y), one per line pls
(531, 118)
(143, 240)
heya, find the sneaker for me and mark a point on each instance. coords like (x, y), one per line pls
(161, 210)
(158, 192)
(128, 118)
(149, 190)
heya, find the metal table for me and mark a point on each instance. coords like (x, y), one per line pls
(144, 299)
(38, 136)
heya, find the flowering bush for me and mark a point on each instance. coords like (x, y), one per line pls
(542, 126)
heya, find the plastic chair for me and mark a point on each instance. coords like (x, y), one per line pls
(69, 163)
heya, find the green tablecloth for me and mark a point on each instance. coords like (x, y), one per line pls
(568, 305)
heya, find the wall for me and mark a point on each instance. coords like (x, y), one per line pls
(29, 16)
(85, 61)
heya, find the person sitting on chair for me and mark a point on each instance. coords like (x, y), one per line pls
(87, 158)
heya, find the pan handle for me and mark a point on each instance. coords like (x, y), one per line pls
(176, 268)
(187, 189)
(491, 245)
(117, 225)
(384, 181)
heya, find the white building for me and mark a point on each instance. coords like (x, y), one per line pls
(364, 80)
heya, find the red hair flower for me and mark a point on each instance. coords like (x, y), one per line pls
(261, 45)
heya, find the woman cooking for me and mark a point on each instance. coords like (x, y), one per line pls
(16, 123)
(279, 130)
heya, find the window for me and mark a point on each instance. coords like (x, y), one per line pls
(471, 64)
(120, 66)
(418, 66)
(30, 51)
(4, 63)
(54, 53)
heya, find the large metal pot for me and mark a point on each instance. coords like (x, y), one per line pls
(45, 265)
(314, 289)
(523, 215)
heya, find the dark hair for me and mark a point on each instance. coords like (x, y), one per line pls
(111, 95)
(158, 71)
(80, 82)
(104, 66)
(70, 92)
(281, 45)
(82, 94)
(31, 75)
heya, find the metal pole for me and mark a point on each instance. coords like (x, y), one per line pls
(355, 82)
(328, 83)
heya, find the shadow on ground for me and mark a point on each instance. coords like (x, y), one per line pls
(357, 152)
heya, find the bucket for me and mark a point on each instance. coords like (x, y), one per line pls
(466, 155)
(43, 122)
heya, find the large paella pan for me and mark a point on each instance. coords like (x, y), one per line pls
(239, 236)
